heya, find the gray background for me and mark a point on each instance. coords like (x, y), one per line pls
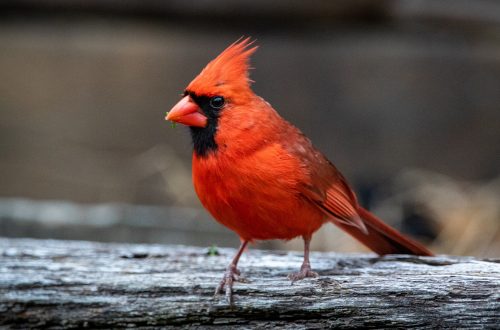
(403, 96)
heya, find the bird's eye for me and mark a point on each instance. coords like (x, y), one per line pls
(217, 102)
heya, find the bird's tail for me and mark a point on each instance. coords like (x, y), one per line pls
(382, 238)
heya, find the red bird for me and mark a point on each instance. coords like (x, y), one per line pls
(258, 175)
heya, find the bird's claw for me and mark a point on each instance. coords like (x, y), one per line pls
(231, 275)
(305, 271)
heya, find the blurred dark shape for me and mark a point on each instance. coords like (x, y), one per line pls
(417, 222)
(379, 86)
(365, 193)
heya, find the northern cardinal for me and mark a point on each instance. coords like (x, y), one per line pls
(258, 175)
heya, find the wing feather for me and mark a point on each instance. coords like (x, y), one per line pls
(324, 185)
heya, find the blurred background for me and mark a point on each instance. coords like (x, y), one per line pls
(403, 96)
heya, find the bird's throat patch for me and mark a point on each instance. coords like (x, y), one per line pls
(204, 139)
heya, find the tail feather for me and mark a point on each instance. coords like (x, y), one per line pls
(382, 238)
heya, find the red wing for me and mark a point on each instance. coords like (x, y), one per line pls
(324, 186)
(338, 202)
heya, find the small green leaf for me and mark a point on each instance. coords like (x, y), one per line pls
(212, 251)
(173, 124)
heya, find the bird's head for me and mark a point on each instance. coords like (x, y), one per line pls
(221, 84)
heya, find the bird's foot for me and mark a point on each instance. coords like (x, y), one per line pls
(305, 271)
(231, 275)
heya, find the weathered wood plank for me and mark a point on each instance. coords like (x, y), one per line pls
(67, 284)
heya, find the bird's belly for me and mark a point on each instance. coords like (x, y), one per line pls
(271, 211)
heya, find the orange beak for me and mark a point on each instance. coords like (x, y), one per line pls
(188, 113)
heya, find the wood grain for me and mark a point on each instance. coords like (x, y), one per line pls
(73, 284)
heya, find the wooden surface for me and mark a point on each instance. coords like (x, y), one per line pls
(65, 284)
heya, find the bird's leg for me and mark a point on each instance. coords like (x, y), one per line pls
(231, 275)
(305, 270)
